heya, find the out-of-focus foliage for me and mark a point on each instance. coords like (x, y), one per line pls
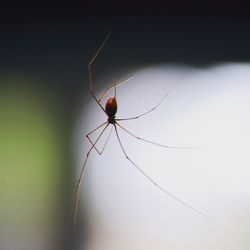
(32, 163)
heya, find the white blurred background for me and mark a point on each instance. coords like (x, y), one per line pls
(207, 108)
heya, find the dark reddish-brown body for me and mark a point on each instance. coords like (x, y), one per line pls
(111, 107)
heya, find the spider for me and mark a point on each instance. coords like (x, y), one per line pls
(110, 110)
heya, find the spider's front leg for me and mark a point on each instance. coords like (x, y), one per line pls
(91, 90)
(113, 85)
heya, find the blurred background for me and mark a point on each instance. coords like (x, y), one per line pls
(198, 51)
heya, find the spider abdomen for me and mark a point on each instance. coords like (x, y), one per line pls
(111, 107)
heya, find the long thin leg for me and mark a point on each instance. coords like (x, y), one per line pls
(81, 177)
(92, 131)
(96, 149)
(152, 142)
(155, 183)
(90, 71)
(118, 83)
(145, 113)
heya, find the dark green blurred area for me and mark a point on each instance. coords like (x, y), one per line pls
(34, 160)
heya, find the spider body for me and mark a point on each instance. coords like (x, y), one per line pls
(111, 109)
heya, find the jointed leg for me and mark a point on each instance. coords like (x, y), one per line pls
(90, 71)
(92, 143)
(118, 83)
(81, 177)
(152, 142)
(155, 183)
(145, 113)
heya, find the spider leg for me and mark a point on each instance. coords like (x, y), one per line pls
(92, 143)
(118, 83)
(76, 203)
(90, 71)
(155, 183)
(145, 113)
(92, 131)
(152, 142)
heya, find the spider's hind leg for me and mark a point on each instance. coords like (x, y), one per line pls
(94, 144)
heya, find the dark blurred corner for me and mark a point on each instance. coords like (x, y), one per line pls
(45, 48)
